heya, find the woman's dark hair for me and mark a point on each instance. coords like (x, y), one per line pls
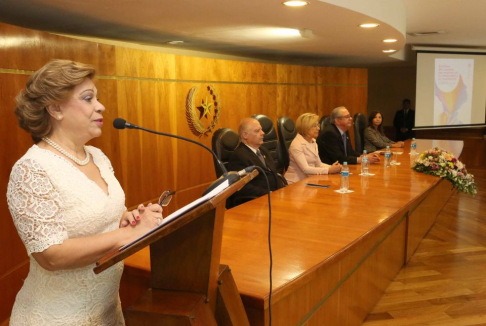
(370, 121)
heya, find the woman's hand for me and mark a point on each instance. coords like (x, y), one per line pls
(131, 218)
(335, 168)
(150, 216)
(134, 216)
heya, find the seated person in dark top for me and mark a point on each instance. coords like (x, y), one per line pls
(404, 121)
(334, 144)
(374, 137)
(250, 152)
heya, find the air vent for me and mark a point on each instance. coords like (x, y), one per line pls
(426, 33)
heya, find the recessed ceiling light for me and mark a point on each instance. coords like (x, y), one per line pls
(287, 32)
(390, 40)
(389, 51)
(295, 3)
(369, 25)
(175, 42)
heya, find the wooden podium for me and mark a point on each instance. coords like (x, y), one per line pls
(189, 286)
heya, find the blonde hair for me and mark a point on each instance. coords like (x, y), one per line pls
(305, 122)
(50, 85)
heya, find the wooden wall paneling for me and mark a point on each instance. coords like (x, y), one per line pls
(109, 142)
(294, 100)
(292, 74)
(240, 101)
(342, 76)
(262, 99)
(203, 69)
(331, 97)
(253, 72)
(14, 143)
(194, 165)
(17, 46)
(147, 159)
(10, 284)
(144, 64)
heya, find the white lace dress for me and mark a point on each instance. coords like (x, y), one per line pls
(50, 201)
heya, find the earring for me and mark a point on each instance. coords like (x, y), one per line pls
(59, 117)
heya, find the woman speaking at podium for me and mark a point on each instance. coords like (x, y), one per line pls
(67, 205)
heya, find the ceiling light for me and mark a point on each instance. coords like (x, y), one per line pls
(295, 3)
(287, 32)
(175, 42)
(389, 51)
(390, 40)
(369, 25)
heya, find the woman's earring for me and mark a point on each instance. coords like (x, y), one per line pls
(59, 117)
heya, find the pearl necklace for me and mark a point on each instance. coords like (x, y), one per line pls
(63, 151)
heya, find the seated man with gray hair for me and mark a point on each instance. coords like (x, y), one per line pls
(334, 144)
(250, 152)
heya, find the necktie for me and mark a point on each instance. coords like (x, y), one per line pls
(259, 154)
(344, 142)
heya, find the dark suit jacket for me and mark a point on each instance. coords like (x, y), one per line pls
(408, 123)
(331, 147)
(244, 157)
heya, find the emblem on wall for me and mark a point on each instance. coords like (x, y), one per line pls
(202, 118)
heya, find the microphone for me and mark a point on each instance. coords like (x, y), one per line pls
(232, 177)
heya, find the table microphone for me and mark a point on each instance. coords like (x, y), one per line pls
(232, 177)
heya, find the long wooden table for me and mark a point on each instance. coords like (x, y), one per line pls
(333, 254)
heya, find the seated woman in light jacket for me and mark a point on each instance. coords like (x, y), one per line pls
(374, 138)
(304, 157)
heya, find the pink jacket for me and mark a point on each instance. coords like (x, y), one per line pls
(304, 160)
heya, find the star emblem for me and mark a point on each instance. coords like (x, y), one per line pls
(205, 108)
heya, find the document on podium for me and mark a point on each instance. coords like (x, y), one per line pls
(181, 211)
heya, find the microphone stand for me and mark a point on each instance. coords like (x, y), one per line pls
(119, 123)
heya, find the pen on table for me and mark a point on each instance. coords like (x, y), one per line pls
(317, 185)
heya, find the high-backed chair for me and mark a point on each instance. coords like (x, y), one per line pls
(270, 140)
(286, 133)
(224, 143)
(325, 121)
(359, 127)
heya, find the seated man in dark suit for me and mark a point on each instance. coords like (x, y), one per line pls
(249, 152)
(334, 144)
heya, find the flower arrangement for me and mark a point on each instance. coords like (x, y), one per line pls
(441, 163)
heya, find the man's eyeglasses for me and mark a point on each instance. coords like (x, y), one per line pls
(345, 117)
(166, 197)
